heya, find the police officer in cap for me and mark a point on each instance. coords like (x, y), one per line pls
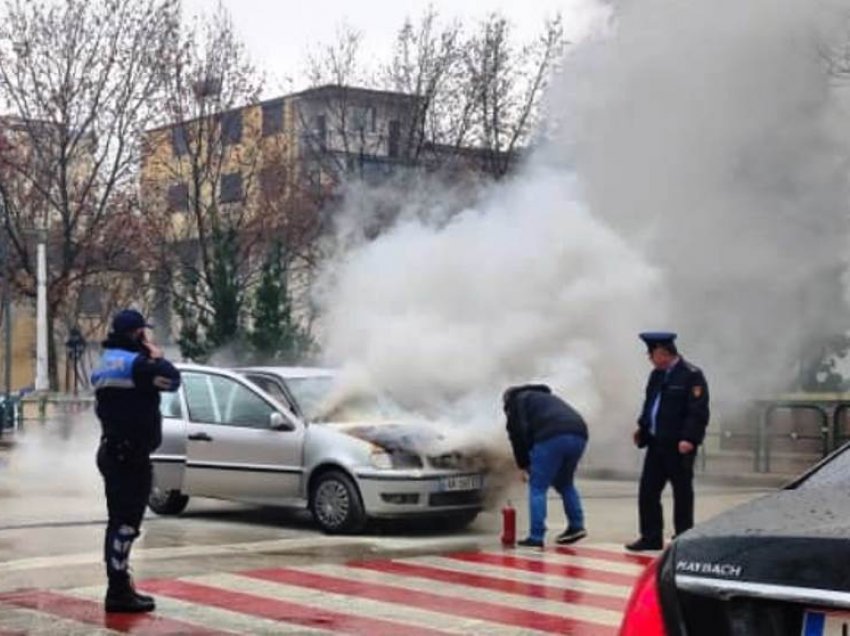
(127, 381)
(671, 426)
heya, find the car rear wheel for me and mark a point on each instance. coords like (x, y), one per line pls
(336, 505)
(167, 502)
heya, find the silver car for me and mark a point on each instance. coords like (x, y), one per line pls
(256, 435)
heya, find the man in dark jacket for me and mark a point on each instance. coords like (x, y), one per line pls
(127, 381)
(548, 438)
(671, 427)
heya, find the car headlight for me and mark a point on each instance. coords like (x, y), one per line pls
(383, 459)
(379, 458)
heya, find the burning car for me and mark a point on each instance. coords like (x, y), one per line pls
(284, 436)
(776, 565)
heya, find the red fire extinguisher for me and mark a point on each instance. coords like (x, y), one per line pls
(508, 525)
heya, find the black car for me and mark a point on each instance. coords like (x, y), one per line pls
(776, 566)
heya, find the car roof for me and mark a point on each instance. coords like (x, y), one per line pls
(291, 372)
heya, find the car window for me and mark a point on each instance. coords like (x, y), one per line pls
(239, 405)
(271, 387)
(169, 404)
(200, 399)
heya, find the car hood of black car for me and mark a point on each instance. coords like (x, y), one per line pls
(790, 538)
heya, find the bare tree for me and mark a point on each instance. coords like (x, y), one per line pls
(210, 234)
(501, 86)
(81, 79)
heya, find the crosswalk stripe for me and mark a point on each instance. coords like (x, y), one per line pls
(580, 612)
(543, 567)
(92, 613)
(579, 590)
(230, 620)
(280, 610)
(456, 605)
(324, 599)
(559, 582)
(531, 590)
(603, 565)
(17, 621)
(609, 554)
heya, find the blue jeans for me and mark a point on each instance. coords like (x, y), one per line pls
(553, 463)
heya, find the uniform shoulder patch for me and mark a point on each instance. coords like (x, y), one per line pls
(697, 391)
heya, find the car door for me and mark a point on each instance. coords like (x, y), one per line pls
(232, 451)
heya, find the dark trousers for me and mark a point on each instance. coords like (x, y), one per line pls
(127, 478)
(662, 463)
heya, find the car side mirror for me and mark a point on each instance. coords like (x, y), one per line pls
(277, 422)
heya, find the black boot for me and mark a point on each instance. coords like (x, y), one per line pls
(121, 596)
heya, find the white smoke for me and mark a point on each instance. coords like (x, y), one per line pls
(708, 196)
(713, 135)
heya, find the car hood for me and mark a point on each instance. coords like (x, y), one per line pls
(437, 448)
(793, 537)
(393, 436)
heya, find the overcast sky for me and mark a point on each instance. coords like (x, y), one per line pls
(279, 33)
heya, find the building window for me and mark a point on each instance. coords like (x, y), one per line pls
(272, 181)
(231, 127)
(91, 300)
(363, 119)
(178, 196)
(321, 131)
(230, 187)
(179, 140)
(272, 118)
(394, 138)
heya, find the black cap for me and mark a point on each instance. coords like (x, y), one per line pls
(128, 320)
(655, 339)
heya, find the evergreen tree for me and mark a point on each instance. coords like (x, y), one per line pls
(276, 335)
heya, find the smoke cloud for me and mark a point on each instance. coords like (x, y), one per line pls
(694, 180)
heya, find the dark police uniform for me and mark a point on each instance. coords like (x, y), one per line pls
(678, 400)
(127, 383)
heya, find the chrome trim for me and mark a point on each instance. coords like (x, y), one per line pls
(168, 459)
(254, 468)
(726, 588)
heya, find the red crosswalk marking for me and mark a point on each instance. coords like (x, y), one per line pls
(425, 600)
(283, 611)
(509, 586)
(92, 613)
(607, 555)
(544, 567)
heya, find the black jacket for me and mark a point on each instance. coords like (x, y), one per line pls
(683, 411)
(535, 415)
(127, 384)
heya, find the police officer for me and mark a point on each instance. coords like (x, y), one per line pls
(127, 381)
(671, 426)
(548, 438)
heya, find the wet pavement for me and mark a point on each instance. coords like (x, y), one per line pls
(52, 517)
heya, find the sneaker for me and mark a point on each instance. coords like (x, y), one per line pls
(644, 544)
(571, 535)
(528, 542)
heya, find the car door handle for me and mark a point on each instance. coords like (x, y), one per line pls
(200, 437)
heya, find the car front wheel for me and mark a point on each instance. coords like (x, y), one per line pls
(167, 502)
(336, 505)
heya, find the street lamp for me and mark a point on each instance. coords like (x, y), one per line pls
(76, 346)
(41, 381)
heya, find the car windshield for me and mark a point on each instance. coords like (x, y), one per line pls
(322, 399)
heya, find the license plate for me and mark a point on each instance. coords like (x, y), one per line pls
(461, 482)
(818, 623)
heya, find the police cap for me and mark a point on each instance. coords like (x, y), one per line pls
(655, 339)
(128, 320)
